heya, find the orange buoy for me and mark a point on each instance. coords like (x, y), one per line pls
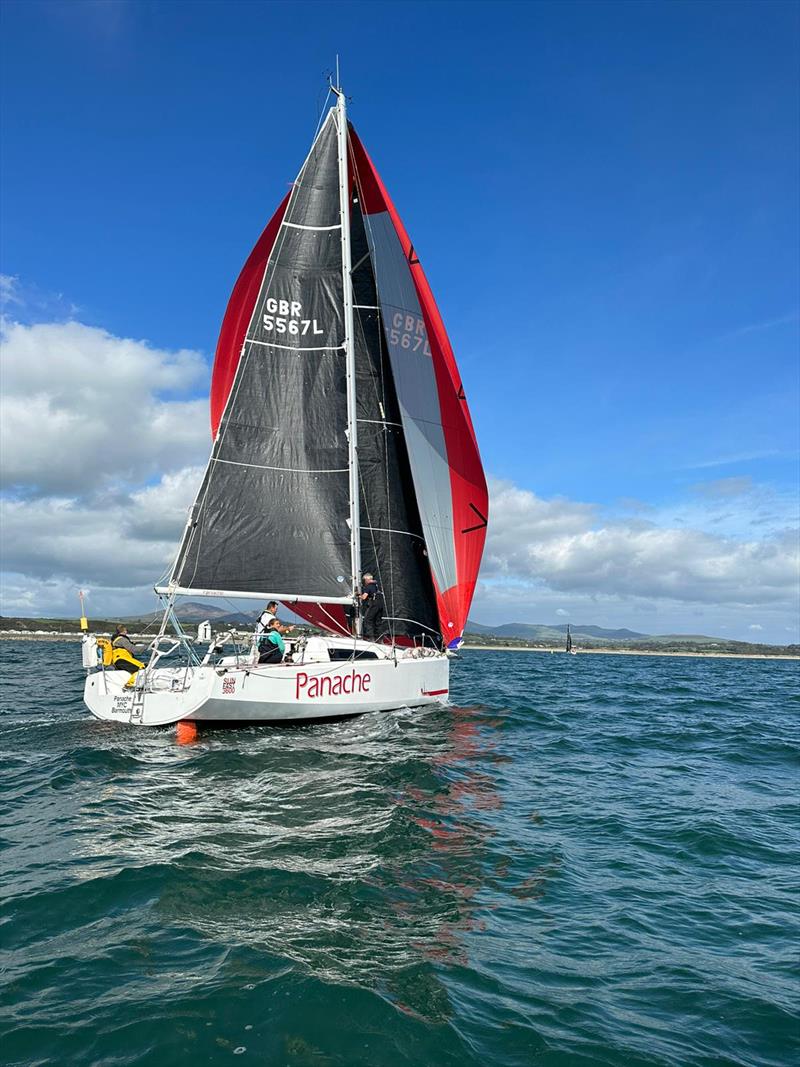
(185, 732)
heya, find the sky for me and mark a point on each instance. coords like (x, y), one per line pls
(604, 198)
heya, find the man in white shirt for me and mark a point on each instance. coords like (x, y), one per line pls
(266, 617)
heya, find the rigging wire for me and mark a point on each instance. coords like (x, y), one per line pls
(378, 396)
(321, 108)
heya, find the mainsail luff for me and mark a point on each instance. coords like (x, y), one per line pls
(349, 348)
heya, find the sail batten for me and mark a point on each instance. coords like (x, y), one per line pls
(294, 348)
(288, 470)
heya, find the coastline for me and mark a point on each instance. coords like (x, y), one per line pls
(6, 635)
(627, 652)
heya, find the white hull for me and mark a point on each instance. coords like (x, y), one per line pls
(268, 693)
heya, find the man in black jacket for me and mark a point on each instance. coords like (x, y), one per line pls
(371, 609)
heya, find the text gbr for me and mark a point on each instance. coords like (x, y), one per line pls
(408, 331)
(284, 316)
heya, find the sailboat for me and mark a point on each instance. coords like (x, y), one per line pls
(572, 651)
(342, 444)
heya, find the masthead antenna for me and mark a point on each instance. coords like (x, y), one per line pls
(335, 88)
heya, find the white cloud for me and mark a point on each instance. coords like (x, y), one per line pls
(735, 457)
(111, 540)
(755, 626)
(758, 327)
(103, 444)
(82, 409)
(725, 487)
(562, 545)
(9, 290)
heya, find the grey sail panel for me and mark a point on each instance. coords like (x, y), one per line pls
(272, 512)
(392, 542)
(418, 396)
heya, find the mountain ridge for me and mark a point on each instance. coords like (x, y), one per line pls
(530, 630)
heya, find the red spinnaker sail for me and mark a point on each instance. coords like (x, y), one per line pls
(468, 507)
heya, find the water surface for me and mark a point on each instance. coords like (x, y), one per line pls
(585, 860)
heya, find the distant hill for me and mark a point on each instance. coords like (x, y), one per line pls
(523, 634)
(532, 631)
(193, 611)
(600, 631)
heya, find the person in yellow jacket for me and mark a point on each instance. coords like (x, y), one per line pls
(128, 659)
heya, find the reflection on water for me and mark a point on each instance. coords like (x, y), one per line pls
(353, 850)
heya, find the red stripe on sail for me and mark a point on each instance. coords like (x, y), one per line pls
(330, 617)
(470, 496)
(238, 314)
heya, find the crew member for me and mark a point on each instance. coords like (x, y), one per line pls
(121, 640)
(371, 608)
(272, 647)
(266, 617)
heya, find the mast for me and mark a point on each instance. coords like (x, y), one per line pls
(350, 358)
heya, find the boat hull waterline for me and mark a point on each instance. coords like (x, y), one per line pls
(270, 693)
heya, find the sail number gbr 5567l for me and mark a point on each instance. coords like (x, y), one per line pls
(284, 316)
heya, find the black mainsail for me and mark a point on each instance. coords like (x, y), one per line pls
(272, 514)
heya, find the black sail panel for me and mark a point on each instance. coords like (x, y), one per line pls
(272, 512)
(392, 543)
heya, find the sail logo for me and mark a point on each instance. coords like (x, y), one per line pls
(408, 331)
(331, 685)
(285, 316)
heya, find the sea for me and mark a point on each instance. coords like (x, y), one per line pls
(583, 860)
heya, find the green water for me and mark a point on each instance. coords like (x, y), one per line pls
(586, 860)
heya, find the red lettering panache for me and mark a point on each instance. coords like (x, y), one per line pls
(331, 685)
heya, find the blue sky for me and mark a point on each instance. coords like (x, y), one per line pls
(604, 197)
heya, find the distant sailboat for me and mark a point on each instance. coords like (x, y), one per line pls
(342, 444)
(572, 651)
